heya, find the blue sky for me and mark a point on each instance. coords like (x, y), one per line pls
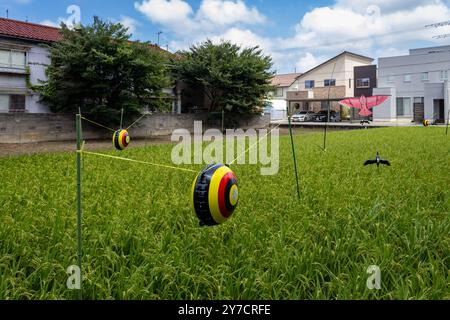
(297, 34)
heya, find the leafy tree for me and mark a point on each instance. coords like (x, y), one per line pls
(233, 78)
(98, 69)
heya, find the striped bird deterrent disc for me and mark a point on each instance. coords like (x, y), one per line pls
(426, 123)
(121, 139)
(215, 194)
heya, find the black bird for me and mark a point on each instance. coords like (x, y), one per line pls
(365, 122)
(377, 161)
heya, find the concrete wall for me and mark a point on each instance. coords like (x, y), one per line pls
(387, 111)
(28, 127)
(432, 91)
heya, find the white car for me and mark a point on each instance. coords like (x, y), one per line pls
(303, 116)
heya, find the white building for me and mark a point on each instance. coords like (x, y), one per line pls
(23, 60)
(417, 83)
(278, 97)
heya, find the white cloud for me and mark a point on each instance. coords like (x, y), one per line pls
(129, 23)
(244, 38)
(307, 62)
(385, 6)
(228, 12)
(50, 23)
(340, 27)
(212, 16)
(172, 14)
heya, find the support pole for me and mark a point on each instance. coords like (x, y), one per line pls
(223, 121)
(448, 121)
(121, 119)
(79, 211)
(326, 128)
(293, 156)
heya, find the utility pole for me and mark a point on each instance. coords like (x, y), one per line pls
(7, 13)
(159, 33)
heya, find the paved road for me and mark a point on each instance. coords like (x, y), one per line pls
(347, 124)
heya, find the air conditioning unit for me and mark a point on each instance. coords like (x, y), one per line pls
(310, 94)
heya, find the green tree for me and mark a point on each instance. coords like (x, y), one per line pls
(98, 69)
(233, 78)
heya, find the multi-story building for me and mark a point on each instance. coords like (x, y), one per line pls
(417, 83)
(330, 82)
(278, 97)
(23, 60)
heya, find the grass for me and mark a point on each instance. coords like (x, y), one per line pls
(142, 240)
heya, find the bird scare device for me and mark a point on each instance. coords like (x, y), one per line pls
(426, 123)
(121, 139)
(365, 104)
(215, 194)
(377, 161)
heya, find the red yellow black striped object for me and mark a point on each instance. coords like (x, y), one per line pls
(215, 194)
(121, 139)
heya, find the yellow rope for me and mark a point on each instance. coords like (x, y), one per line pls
(97, 124)
(252, 146)
(136, 161)
(144, 115)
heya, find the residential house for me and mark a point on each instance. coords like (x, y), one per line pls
(278, 97)
(326, 83)
(23, 58)
(418, 86)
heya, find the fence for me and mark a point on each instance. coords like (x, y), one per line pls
(29, 127)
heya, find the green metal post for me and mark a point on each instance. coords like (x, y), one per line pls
(79, 241)
(293, 155)
(326, 128)
(121, 119)
(223, 121)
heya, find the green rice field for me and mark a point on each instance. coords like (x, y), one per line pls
(142, 239)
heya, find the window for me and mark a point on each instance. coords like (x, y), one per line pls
(419, 100)
(309, 84)
(330, 82)
(13, 59)
(278, 92)
(391, 79)
(404, 107)
(12, 103)
(444, 75)
(424, 76)
(4, 103)
(363, 83)
(407, 78)
(323, 105)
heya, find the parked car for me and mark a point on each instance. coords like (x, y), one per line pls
(322, 116)
(303, 116)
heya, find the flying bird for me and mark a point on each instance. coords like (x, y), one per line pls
(377, 161)
(364, 103)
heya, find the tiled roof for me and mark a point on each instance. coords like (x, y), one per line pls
(29, 31)
(284, 80)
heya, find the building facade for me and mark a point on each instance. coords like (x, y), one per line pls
(278, 97)
(329, 82)
(418, 86)
(24, 58)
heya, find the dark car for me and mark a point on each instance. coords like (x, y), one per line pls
(322, 116)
